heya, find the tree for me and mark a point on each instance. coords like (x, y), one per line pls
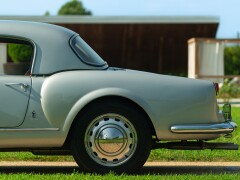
(73, 7)
(47, 13)
(232, 60)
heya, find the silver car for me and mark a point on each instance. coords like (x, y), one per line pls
(109, 119)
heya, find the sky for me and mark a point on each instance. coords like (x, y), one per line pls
(227, 10)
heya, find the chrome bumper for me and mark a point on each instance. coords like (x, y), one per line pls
(216, 128)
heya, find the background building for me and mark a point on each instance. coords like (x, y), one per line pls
(154, 44)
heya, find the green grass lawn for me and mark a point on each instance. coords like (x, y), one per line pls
(156, 155)
(117, 177)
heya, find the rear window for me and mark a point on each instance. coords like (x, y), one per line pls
(85, 52)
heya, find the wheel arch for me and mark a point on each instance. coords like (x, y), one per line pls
(68, 127)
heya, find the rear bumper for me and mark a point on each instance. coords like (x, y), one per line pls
(216, 128)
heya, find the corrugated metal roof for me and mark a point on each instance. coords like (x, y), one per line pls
(117, 19)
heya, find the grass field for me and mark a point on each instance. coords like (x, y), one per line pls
(117, 177)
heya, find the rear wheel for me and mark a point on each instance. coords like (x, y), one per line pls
(111, 136)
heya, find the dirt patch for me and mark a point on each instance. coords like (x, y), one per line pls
(159, 168)
(147, 164)
(173, 163)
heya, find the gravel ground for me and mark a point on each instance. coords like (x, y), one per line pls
(192, 164)
(147, 164)
(155, 168)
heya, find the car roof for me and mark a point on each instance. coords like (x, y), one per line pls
(51, 43)
(30, 29)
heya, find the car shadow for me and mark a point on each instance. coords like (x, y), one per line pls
(197, 170)
(39, 169)
(153, 170)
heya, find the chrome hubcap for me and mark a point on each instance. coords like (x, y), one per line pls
(110, 140)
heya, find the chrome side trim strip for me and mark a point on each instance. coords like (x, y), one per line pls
(27, 129)
(216, 128)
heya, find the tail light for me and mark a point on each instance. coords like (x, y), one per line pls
(216, 88)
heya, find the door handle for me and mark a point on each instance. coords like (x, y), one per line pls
(22, 85)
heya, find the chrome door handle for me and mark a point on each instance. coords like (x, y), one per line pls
(22, 85)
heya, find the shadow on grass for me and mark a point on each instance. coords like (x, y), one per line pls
(195, 170)
(153, 170)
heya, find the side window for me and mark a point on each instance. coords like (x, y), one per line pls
(15, 56)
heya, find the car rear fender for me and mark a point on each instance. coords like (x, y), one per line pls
(91, 96)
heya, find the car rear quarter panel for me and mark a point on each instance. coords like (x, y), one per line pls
(167, 100)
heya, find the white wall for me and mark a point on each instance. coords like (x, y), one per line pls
(192, 73)
(206, 59)
(3, 56)
(211, 60)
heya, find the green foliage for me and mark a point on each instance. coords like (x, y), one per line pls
(229, 90)
(73, 7)
(20, 52)
(232, 60)
(47, 13)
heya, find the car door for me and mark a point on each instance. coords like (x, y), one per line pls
(14, 98)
